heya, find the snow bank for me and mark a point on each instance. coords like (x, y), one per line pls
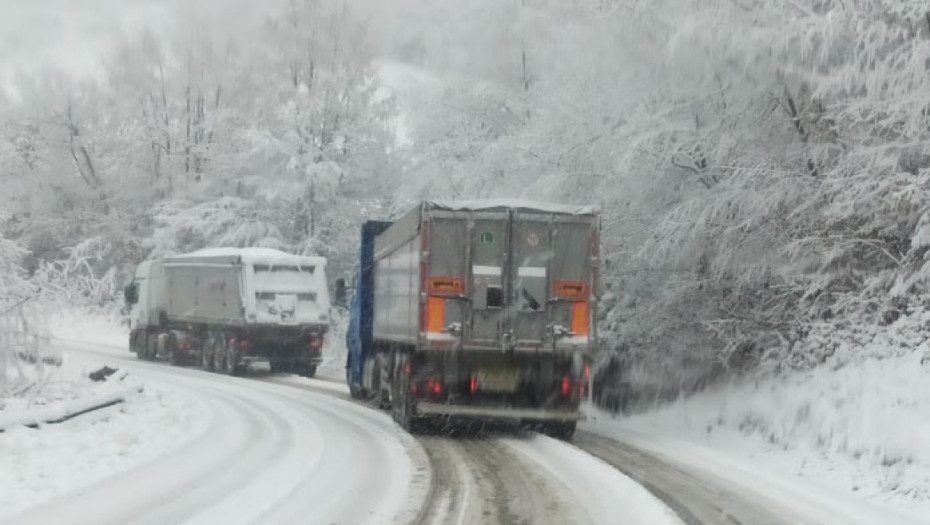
(25, 411)
(43, 463)
(858, 425)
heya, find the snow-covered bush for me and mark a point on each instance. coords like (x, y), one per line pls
(23, 344)
(183, 226)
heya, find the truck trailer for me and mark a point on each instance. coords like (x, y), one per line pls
(476, 311)
(227, 307)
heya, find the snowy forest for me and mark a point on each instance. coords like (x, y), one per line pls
(762, 166)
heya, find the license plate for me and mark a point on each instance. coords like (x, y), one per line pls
(498, 379)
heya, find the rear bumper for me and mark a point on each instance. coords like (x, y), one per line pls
(502, 413)
(316, 361)
(278, 334)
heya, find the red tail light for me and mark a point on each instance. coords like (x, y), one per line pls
(408, 368)
(434, 387)
(473, 384)
(245, 345)
(566, 387)
(315, 343)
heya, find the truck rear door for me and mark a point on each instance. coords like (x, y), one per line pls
(467, 280)
(531, 249)
(499, 279)
(490, 253)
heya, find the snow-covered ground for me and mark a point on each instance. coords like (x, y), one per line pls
(853, 434)
(847, 442)
(227, 450)
(40, 464)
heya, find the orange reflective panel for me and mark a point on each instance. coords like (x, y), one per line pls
(580, 318)
(571, 290)
(435, 314)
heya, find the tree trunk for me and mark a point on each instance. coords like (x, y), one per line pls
(79, 154)
(187, 134)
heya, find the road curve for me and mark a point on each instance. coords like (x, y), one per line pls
(507, 476)
(489, 478)
(481, 480)
(272, 454)
(699, 498)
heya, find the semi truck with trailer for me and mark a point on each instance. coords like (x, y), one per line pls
(476, 311)
(228, 307)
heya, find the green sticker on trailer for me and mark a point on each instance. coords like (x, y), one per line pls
(486, 238)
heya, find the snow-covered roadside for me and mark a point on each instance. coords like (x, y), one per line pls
(101, 329)
(40, 464)
(61, 400)
(851, 434)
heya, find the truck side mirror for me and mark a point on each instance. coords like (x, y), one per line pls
(131, 293)
(341, 293)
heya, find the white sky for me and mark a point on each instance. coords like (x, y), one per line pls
(73, 35)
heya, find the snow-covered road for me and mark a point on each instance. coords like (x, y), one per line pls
(504, 477)
(282, 449)
(271, 454)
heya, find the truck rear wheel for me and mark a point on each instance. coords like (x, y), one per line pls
(231, 358)
(354, 390)
(307, 370)
(134, 340)
(401, 412)
(151, 347)
(562, 430)
(219, 354)
(206, 354)
(402, 406)
(173, 350)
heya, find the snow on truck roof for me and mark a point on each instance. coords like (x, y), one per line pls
(257, 256)
(516, 204)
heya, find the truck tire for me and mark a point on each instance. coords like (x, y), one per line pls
(307, 370)
(562, 430)
(206, 354)
(141, 340)
(151, 347)
(231, 360)
(172, 350)
(219, 354)
(402, 407)
(355, 391)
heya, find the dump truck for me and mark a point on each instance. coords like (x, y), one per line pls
(229, 307)
(476, 311)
